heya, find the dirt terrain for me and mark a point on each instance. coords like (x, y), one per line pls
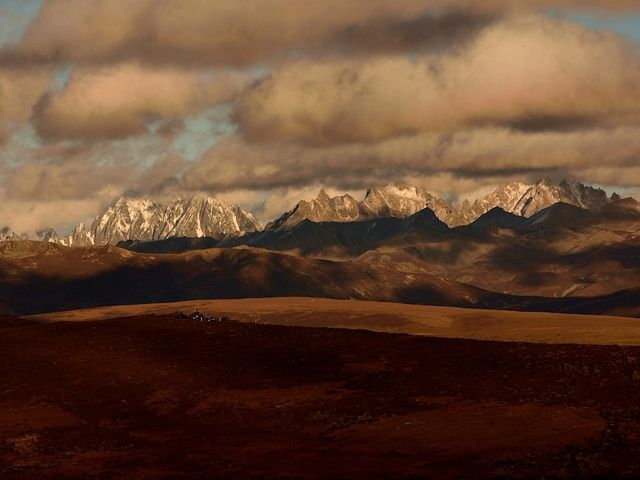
(152, 397)
(393, 318)
(69, 278)
(79, 277)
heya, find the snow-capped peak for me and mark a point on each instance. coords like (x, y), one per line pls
(322, 208)
(390, 201)
(402, 201)
(527, 199)
(147, 219)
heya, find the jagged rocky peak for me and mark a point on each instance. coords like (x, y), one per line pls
(206, 216)
(395, 200)
(323, 196)
(527, 199)
(323, 208)
(399, 201)
(80, 236)
(149, 219)
(587, 196)
(402, 201)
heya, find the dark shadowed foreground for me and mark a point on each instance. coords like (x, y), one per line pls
(164, 397)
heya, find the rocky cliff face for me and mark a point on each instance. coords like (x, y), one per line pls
(205, 216)
(403, 201)
(390, 201)
(147, 219)
(528, 199)
(323, 208)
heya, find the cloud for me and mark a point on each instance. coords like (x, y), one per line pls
(195, 31)
(20, 90)
(526, 72)
(243, 32)
(627, 177)
(69, 178)
(162, 178)
(77, 171)
(453, 95)
(57, 185)
(121, 100)
(481, 153)
(269, 179)
(27, 217)
(53, 180)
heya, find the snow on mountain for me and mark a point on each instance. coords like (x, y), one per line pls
(147, 219)
(528, 199)
(403, 201)
(205, 216)
(323, 208)
(390, 201)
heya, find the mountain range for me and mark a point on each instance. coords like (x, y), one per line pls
(561, 250)
(403, 201)
(69, 278)
(146, 219)
(563, 258)
(390, 201)
(200, 216)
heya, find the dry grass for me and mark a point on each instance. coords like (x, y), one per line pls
(392, 317)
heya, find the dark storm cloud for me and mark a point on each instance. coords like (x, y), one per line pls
(428, 32)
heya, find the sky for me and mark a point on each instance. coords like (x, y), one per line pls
(263, 102)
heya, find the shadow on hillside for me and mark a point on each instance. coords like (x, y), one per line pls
(202, 275)
(78, 280)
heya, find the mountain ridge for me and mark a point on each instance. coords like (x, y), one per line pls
(403, 201)
(148, 219)
(201, 216)
(106, 275)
